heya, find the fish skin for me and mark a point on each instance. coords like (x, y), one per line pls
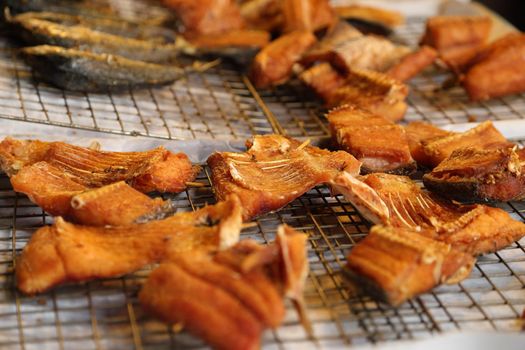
(36, 31)
(77, 70)
(115, 26)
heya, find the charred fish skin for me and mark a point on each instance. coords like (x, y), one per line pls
(82, 71)
(114, 26)
(35, 31)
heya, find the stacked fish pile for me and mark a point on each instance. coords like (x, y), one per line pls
(82, 46)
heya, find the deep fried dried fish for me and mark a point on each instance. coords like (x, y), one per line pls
(473, 229)
(115, 26)
(306, 15)
(273, 64)
(71, 253)
(205, 17)
(394, 264)
(77, 70)
(483, 136)
(378, 143)
(245, 297)
(38, 31)
(322, 79)
(274, 171)
(372, 14)
(323, 50)
(154, 170)
(419, 133)
(480, 175)
(262, 14)
(499, 70)
(411, 64)
(372, 91)
(458, 39)
(59, 195)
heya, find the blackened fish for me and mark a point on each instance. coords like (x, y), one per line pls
(115, 26)
(77, 70)
(37, 31)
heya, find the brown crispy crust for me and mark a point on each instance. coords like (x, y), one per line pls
(479, 175)
(499, 70)
(273, 64)
(396, 264)
(419, 133)
(413, 63)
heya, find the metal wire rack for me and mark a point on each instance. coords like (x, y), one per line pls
(222, 104)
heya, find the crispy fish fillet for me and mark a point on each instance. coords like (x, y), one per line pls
(396, 264)
(66, 252)
(77, 70)
(367, 52)
(372, 91)
(473, 229)
(375, 141)
(262, 14)
(273, 64)
(206, 17)
(499, 70)
(323, 51)
(226, 299)
(412, 64)
(458, 39)
(60, 195)
(306, 15)
(274, 171)
(483, 136)
(155, 170)
(372, 14)
(322, 79)
(480, 175)
(419, 133)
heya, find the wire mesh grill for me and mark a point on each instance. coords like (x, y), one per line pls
(219, 104)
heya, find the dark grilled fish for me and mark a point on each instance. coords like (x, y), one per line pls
(38, 31)
(229, 299)
(77, 70)
(115, 26)
(480, 175)
(396, 264)
(66, 252)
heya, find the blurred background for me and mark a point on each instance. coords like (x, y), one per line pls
(512, 10)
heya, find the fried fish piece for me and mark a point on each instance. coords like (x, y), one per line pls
(419, 133)
(306, 15)
(396, 264)
(77, 70)
(375, 141)
(226, 299)
(273, 64)
(411, 64)
(59, 195)
(372, 91)
(262, 14)
(35, 30)
(458, 39)
(499, 70)
(473, 229)
(372, 14)
(322, 79)
(483, 136)
(65, 252)
(274, 171)
(323, 50)
(155, 170)
(480, 175)
(207, 17)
